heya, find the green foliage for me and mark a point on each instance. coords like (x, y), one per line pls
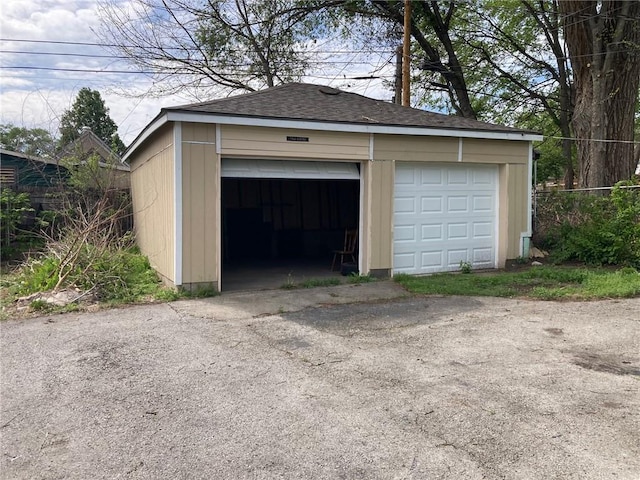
(89, 175)
(13, 207)
(168, 295)
(592, 229)
(465, 267)
(114, 275)
(356, 278)
(543, 283)
(199, 292)
(312, 283)
(89, 110)
(37, 275)
(40, 305)
(31, 141)
(552, 163)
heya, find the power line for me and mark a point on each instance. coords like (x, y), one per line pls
(182, 49)
(149, 72)
(118, 57)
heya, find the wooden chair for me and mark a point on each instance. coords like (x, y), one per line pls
(348, 250)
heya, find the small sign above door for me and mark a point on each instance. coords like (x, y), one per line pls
(297, 139)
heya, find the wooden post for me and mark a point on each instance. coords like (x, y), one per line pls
(406, 55)
(398, 80)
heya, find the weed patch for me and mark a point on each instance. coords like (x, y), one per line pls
(544, 283)
(356, 278)
(312, 283)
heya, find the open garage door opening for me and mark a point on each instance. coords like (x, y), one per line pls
(278, 230)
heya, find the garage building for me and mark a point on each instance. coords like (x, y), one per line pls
(279, 175)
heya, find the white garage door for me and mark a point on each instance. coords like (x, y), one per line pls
(444, 215)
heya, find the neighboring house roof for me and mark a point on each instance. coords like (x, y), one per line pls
(318, 107)
(24, 171)
(88, 143)
(48, 161)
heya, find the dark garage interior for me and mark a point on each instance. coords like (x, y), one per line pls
(283, 230)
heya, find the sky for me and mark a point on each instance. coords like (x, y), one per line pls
(46, 57)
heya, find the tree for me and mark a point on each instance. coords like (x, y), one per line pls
(237, 45)
(498, 60)
(89, 110)
(519, 45)
(30, 141)
(604, 48)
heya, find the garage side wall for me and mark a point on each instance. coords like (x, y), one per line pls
(152, 191)
(200, 199)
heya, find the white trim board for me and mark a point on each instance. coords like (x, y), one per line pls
(177, 202)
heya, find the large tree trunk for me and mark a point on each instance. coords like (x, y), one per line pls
(604, 47)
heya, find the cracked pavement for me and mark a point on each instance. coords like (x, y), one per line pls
(305, 384)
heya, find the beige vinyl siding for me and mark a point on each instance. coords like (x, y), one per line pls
(199, 132)
(518, 207)
(415, 149)
(494, 151)
(256, 142)
(152, 188)
(200, 197)
(381, 215)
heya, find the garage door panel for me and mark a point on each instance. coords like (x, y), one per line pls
(431, 205)
(430, 259)
(483, 203)
(431, 177)
(456, 220)
(458, 231)
(431, 232)
(457, 177)
(458, 203)
(405, 233)
(405, 177)
(404, 205)
(483, 178)
(454, 257)
(405, 262)
(483, 256)
(482, 230)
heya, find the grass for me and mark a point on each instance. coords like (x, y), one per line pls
(543, 283)
(354, 278)
(312, 283)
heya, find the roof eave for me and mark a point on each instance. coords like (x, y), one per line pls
(171, 115)
(301, 124)
(154, 125)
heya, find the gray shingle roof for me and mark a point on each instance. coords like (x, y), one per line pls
(317, 103)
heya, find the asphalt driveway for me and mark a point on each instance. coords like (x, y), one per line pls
(270, 386)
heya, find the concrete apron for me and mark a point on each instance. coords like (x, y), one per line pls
(241, 305)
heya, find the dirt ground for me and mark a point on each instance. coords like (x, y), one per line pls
(303, 385)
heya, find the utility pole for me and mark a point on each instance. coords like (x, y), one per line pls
(398, 80)
(406, 54)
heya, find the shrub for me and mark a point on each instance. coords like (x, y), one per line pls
(592, 229)
(13, 208)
